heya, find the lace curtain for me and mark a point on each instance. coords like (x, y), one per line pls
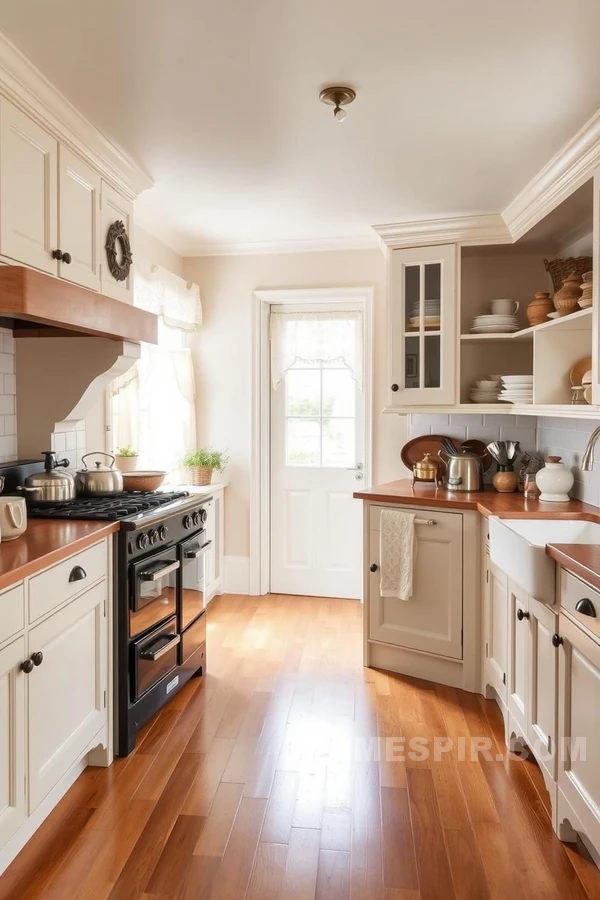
(153, 408)
(314, 338)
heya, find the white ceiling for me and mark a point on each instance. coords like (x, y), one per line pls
(459, 104)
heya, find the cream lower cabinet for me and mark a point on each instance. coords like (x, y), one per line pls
(66, 692)
(518, 660)
(12, 740)
(431, 621)
(496, 631)
(542, 684)
(579, 727)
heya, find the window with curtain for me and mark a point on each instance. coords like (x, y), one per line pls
(152, 405)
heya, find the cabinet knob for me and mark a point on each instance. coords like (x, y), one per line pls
(373, 567)
(522, 615)
(57, 254)
(395, 388)
(37, 658)
(26, 666)
(586, 607)
(556, 640)
(66, 258)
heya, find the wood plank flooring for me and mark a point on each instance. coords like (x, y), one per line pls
(262, 781)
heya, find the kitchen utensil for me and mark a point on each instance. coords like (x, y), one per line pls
(143, 481)
(517, 379)
(414, 449)
(13, 518)
(587, 393)
(478, 447)
(577, 395)
(494, 329)
(554, 481)
(504, 307)
(530, 488)
(99, 481)
(497, 449)
(464, 469)
(586, 378)
(579, 369)
(50, 486)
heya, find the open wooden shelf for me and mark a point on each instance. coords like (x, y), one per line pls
(576, 321)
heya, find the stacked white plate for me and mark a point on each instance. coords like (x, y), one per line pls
(485, 391)
(491, 324)
(431, 314)
(516, 389)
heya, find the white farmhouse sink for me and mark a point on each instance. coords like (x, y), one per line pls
(518, 548)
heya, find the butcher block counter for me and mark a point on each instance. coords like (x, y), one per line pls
(46, 542)
(582, 559)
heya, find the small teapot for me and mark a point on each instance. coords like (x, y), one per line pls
(427, 469)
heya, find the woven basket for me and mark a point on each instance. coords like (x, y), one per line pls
(559, 269)
(200, 475)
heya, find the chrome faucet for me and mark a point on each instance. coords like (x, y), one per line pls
(587, 462)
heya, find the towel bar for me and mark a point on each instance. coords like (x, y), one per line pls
(425, 522)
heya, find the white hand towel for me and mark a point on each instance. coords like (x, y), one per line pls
(397, 553)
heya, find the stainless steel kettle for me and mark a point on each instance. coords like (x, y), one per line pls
(99, 481)
(51, 485)
(464, 468)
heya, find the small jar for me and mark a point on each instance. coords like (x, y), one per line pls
(554, 481)
(505, 481)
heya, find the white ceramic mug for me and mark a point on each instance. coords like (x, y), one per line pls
(505, 307)
(13, 518)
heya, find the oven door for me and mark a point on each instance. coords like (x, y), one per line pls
(193, 578)
(154, 656)
(153, 591)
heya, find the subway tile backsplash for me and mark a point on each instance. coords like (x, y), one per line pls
(8, 399)
(567, 438)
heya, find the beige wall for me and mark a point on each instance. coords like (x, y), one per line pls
(223, 348)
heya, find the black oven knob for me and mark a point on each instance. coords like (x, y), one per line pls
(153, 536)
(142, 541)
(196, 518)
(203, 515)
(187, 522)
(163, 531)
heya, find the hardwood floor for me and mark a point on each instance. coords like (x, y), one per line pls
(260, 782)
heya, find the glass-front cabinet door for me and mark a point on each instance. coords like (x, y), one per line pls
(422, 310)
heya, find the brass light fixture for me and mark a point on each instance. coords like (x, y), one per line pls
(338, 96)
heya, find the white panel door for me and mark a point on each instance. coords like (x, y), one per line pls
(543, 667)
(317, 461)
(518, 658)
(115, 208)
(12, 740)
(496, 630)
(79, 220)
(66, 691)
(432, 619)
(28, 193)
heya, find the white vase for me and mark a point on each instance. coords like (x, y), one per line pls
(554, 481)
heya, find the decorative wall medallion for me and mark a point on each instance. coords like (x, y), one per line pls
(118, 263)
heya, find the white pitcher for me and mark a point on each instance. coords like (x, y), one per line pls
(13, 518)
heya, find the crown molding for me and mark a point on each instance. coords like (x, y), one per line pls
(568, 169)
(25, 86)
(265, 248)
(480, 229)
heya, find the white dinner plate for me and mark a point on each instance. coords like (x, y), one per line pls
(516, 379)
(494, 329)
(428, 321)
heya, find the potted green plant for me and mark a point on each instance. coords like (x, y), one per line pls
(202, 463)
(126, 459)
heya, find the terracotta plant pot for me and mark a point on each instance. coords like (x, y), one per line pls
(539, 307)
(200, 475)
(505, 482)
(566, 299)
(126, 463)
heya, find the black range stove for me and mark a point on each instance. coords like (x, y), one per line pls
(160, 558)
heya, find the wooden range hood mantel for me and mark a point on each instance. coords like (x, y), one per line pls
(61, 309)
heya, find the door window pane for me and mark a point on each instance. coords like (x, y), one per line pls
(303, 392)
(339, 393)
(432, 361)
(303, 442)
(412, 296)
(338, 443)
(411, 362)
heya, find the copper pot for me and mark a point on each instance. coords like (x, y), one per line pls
(427, 469)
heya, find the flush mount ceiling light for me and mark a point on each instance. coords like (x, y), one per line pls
(338, 96)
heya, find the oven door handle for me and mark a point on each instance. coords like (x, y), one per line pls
(197, 551)
(152, 655)
(156, 574)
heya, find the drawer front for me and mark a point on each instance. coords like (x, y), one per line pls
(154, 657)
(580, 601)
(193, 638)
(422, 515)
(50, 589)
(12, 612)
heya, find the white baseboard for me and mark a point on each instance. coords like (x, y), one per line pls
(236, 575)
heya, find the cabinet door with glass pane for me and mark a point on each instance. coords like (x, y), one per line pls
(422, 311)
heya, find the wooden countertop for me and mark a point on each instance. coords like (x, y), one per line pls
(46, 542)
(581, 559)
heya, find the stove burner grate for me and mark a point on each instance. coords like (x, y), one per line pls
(111, 509)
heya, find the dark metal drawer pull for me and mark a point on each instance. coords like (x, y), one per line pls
(77, 574)
(195, 552)
(156, 574)
(585, 607)
(160, 647)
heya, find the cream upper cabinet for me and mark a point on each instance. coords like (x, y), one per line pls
(431, 620)
(12, 740)
(579, 725)
(496, 630)
(66, 689)
(28, 190)
(115, 208)
(422, 326)
(78, 220)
